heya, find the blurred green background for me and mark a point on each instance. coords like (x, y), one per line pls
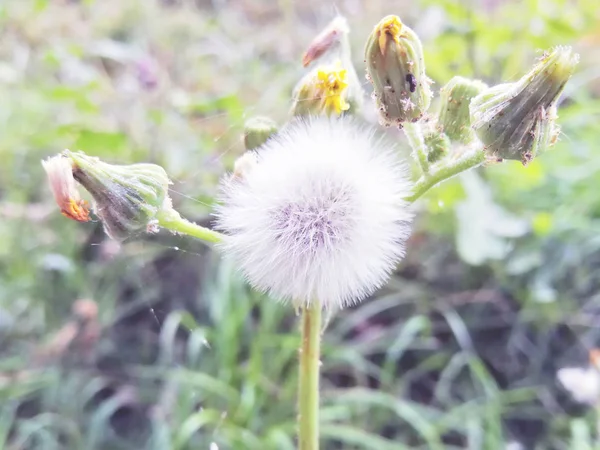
(157, 344)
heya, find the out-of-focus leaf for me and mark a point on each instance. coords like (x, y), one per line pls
(484, 228)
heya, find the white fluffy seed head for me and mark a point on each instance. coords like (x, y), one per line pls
(321, 217)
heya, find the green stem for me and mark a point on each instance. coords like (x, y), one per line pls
(171, 220)
(448, 170)
(308, 387)
(414, 134)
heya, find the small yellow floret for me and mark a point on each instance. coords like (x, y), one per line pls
(390, 27)
(332, 86)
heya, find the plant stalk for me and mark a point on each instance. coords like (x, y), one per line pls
(308, 386)
(171, 220)
(414, 134)
(448, 170)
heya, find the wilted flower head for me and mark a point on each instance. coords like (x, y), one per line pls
(127, 198)
(321, 217)
(516, 120)
(59, 170)
(333, 40)
(396, 68)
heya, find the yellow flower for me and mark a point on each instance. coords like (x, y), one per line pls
(390, 27)
(332, 85)
(323, 90)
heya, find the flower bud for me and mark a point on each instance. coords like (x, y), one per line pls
(244, 164)
(324, 90)
(517, 120)
(127, 198)
(396, 68)
(257, 130)
(437, 144)
(332, 40)
(454, 118)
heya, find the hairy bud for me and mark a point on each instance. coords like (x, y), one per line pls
(517, 120)
(257, 130)
(127, 198)
(396, 68)
(454, 118)
(244, 164)
(438, 145)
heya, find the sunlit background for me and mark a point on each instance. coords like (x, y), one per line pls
(157, 344)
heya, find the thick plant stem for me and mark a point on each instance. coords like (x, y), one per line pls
(414, 134)
(171, 220)
(448, 170)
(308, 387)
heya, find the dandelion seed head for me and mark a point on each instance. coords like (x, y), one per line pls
(322, 215)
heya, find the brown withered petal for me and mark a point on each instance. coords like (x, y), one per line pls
(327, 39)
(59, 171)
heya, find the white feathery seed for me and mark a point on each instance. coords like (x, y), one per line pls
(321, 216)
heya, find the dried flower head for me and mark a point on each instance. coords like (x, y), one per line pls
(59, 170)
(518, 120)
(127, 198)
(321, 217)
(332, 40)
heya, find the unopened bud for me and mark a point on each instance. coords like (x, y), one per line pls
(517, 120)
(438, 145)
(257, 130)
(396, 68)
(127, 198)
(324, 90)
(244, 164)
(454, 118)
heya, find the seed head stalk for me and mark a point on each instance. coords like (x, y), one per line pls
(308, 385)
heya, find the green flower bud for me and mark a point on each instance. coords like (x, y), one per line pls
(396, 68)
(324, 90)
(438, 145)
(127, 198)
(454, 118)
(517, 120)
(257, 130)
